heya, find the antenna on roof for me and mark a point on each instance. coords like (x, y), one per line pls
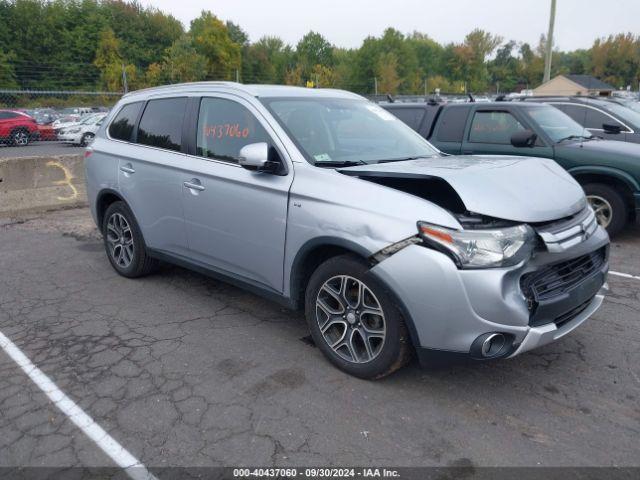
(471, 99)
(390, 98)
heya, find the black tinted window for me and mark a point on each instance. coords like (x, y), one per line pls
(494, 127)
(224, 127)
(122, 126)
(588, 117)
(411, 116)
(161, 123)
(452, 124)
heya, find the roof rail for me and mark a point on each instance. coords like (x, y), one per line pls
(185, 84)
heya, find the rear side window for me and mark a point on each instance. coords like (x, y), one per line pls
(121, 127)
(452, 124)
(161, 123)
(494, 127)
(589, 117)
(411, 116)
(224, 127)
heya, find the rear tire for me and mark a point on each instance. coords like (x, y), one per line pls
(124, 244)
(20, 137)
(354, 321)
(609, 205)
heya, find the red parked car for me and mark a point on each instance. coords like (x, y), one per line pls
(17, 128)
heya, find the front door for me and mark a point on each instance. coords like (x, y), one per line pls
(236, 218)
(490, 131)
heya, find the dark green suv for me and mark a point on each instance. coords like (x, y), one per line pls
(609, 171)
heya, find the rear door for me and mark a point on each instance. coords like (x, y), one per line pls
(593, 119)
(149, 175)
(236, 219)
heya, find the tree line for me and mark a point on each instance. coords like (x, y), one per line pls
(89, 45)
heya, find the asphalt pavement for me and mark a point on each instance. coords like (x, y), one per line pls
(183, 370)
(39, 149)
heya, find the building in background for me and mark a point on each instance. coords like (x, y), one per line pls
(584, 85)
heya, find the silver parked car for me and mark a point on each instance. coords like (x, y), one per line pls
(325, 202)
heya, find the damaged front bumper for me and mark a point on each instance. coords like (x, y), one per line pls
(451, 312)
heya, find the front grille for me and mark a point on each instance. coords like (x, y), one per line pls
(559, 278)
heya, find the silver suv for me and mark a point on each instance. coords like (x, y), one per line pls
(322, 200)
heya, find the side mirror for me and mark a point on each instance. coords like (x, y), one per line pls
(255, 157)
(524, 139)
(613, 129)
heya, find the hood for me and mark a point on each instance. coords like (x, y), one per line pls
(609, 147)
(520, 189)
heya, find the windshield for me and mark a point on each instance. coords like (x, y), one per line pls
(339, 131)
(556, 124)
(91, 119)
(625, 113)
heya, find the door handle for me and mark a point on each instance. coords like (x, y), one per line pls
(193, 185)
(128, 168)
(467, 152)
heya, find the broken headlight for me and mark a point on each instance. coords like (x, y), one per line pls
(481, 248)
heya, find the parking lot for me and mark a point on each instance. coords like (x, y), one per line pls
(183, 370)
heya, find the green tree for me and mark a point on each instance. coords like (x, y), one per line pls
(182, 63)
(109, 61)
(266, 61)
(237, 34)
(504, 69)
(616, 59)
(8, 78)
(387, 73)
(313, 49)
(478, 45)
(211, 40)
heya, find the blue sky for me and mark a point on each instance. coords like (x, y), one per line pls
(347, 22)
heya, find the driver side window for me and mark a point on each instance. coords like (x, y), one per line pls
(224, 127)
(495, 127)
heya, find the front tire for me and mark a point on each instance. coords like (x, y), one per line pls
(609, 206)
(354, 321)
(86, 139)
(124, 244)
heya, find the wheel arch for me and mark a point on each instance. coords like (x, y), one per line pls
(105, 198)
(621, 181)
(318, 250)
(311, 255)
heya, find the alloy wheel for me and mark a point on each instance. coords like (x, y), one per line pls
(120, 240)
(350, 319)
(602, 209)
(21, 138)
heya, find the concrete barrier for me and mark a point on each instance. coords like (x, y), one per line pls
(31, 184)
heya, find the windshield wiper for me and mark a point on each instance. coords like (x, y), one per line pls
(576, 137)
(337, 163)
(404, 159)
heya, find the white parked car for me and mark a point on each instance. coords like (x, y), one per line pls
(83, 132)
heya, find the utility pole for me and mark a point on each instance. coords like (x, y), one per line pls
(426, 92)
(237, 75)
(125, 87)
(375, 85)
(549, 52)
